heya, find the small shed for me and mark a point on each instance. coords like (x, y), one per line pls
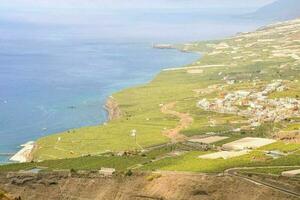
(107, 171)
(291, 173)
(247, 143)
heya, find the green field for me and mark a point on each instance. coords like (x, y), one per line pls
(120, 163)
(274, 171)
(283, 147)
(191, 162)
(157, 160)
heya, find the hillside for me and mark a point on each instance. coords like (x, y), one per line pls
(279, 10)
(138, 187)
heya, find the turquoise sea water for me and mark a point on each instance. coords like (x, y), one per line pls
(53, 79)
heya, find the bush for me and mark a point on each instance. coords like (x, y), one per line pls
(128, 173)
(153, 176)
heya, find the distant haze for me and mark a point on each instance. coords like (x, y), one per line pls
(121, 4)
(281, 9)
(59, 19)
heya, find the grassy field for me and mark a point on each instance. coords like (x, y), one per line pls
(120, 163)
(186, 162)
(82, 163)
(283, 147)
(274, 171)
(191, 162)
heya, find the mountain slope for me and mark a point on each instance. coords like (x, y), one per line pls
(279, 10)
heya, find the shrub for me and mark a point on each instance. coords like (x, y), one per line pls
(128, 173)
(153, 176)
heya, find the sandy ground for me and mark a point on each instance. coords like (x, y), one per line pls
(289, 136)
(291, 173)
(185, 121)
(136, 187)
(209, 140)
(195, 71)
(248, 143)
(224, 154)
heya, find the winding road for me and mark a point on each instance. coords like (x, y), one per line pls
(234, 172)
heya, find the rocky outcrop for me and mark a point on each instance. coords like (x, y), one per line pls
(112, 109)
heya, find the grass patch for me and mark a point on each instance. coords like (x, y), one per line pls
(191, 162)
(282, 146)
(82, 163)
(120, 163)
(274, 171)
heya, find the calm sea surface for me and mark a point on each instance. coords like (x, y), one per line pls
(48, 85)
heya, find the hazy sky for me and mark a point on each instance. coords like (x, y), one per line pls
(47, 10)
(54, 18)
(131, 3)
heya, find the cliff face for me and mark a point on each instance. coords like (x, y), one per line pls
(175, 186)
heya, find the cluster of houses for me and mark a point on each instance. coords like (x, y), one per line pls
(256, 105)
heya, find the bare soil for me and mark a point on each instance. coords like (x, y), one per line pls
(185, 121)
(289, 136)
(53, 186)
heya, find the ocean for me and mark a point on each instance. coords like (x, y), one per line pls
(53, 80)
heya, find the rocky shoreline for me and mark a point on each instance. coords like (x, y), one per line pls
(112, 108)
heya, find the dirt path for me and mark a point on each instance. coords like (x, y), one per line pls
(185, 121)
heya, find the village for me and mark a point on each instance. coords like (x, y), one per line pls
(256, 105)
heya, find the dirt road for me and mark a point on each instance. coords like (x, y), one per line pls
(185, 121)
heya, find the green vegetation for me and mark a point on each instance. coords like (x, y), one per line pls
(191, 162)
(274, 171)
(120, 163)
(281, 146)
(153, 176)
(82, 163)
(186, 162)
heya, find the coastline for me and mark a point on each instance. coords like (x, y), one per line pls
(26, 154)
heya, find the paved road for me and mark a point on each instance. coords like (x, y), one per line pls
(234, 172)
